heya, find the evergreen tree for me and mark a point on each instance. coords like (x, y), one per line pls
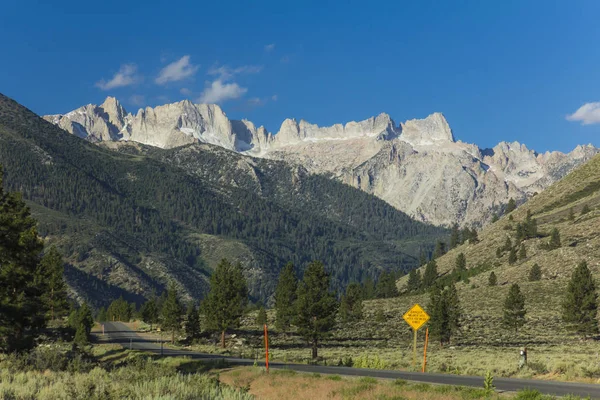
(285, 297)
(119, 310)
(585, 209)
(149, 312)
(514, 308)
(495, 218)
(519, 233)
(227, 299)
(571, 214)
(522, 252)
(414, 280)
(101, 316)
(351, 306)
(511, 206)
(430, 275)
(535, 273)
(438, 322)
(192, 323)
(492, 280)
(22, 308)
(81, 338)
(369, 288)
(530, 227)
(316, 306)
(460, 264)
(261, 318)
(55, 288)
(172, 312)
(440, 249)
(580, 305)
(512, 256)
(507, 244)
(422, 259)
(474, 237)
(454, 236)
(85, 318)
(386, 286)
(465, 235)
(454, 312)
(554, 242)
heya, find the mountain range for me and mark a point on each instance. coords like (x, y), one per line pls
(418, 166)
(129, 217)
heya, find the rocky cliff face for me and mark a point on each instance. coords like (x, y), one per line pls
(417, 166)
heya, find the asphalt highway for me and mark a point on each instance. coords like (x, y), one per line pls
(117, 332)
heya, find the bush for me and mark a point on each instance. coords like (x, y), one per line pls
(370, 362)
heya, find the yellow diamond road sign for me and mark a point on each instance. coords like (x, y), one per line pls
(416, 317)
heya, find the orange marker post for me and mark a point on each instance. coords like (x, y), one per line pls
(266, 348)
(425, 349)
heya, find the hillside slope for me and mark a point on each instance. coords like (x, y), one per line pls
(580, 241)
(137, 218)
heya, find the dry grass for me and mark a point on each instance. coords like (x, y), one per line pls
(284, 385)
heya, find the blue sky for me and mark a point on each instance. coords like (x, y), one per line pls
(498, 70)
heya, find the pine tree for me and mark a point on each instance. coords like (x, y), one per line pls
(454, 236)
(149, 312)
(438, 321)
(581, 302)
(368, 288)
(22, 308)
(386, 286)
(511, 206)
(51, 276)
(465, 235)
(316, 306)
(422, 259)
(440, 249)
(554, 242)
(445, 312)
(474, 238)
(492, 280)
(535, 273)
(101, 316)
(414, 281)
(495, 218)
(507, 244)
(460, 264)
(514, 308)
(531, 229)
(512, 256)
(85, 318)
(585, 209)
(522, 252)
(351, 306)
(172, 312)
(261, 318)
(192, 323)
(430, 275)
(285, 297)
(227, 299)
(81, 338)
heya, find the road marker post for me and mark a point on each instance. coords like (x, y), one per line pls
(102, 329)
(266, 348)
(416, 317)
(425, 349)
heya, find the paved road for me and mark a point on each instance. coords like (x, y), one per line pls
(117, 332)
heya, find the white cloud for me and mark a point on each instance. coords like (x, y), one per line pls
(270, 47)
(185, 91)
(587, 114)
(225, 73)
(125, 77)
(218, 92)
(274, 97)
(137, 100)
(177, 71)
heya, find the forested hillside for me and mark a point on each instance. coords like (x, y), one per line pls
(128, 221)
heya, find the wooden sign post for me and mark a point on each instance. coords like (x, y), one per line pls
(416, 317)
(266, 348)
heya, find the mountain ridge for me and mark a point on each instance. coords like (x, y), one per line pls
(417, 166)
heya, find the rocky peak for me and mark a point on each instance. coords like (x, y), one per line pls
(431, 130)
